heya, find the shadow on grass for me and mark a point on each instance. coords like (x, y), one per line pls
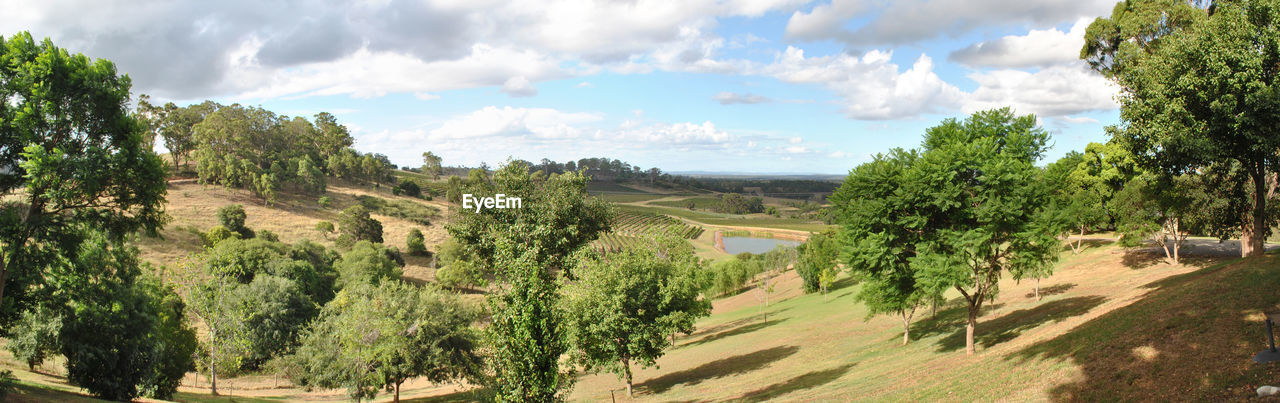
(810, 380)
(951, 314)
(1011, 325)
(1052, 290)
(717, 369)
(470, 395)
(1141, 258)
(1189, 339)
(743, 329)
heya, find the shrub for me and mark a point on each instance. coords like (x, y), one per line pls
(325, 228)
(416, 244)
(367, 262)
(323, 201)
(232, 217)
(344, 241)
(268, 236)
(35, 336)
(356, 222)
(409, 188)
(216, 235)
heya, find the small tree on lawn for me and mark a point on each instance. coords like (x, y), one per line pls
(625, 305)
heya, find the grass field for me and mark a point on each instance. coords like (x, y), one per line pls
(1113, 325)
(750, 220)
(700, 203)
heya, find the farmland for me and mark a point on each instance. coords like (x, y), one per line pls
(631, 227)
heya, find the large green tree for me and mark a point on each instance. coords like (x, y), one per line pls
(964, 210)
(528, 247)
(70, 156)
(377, 337)
(881, 234)
(626, 303)
(1205, 96)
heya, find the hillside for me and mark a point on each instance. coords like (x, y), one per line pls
(1113, 324)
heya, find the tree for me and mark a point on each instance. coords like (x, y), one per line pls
(232, 217)
(35, 336)
(176, 126)
(528, 247)
(1076, 205)
(624, 306)
(356, 222)
(1163, 210)
(817, 256)
(377, 337)
(325, 228)
(415, 244)
(273, 311)
(1204, 97)
(984, 211)
(70, 156)
(882, 233)
(331, 138)
(123, 333)
(431, 165)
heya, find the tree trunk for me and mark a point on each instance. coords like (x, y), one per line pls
(626, 369)
(906, 327)
(397, 396)
(213, 363)
(1037, 289)
(1079, 241)
(1177, 242)
(3, 274)
(1253, 235)
(968, 329)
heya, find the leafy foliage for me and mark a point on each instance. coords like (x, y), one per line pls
(626, 304)
(232, 217)
(376, 337)
(102, 177)
(817, 258)
(35, 336)
(415, 244)
(356, 223)
(366, 262)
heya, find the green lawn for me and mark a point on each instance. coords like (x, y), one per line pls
(1111, 327)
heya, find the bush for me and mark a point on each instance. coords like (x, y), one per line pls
(325, 228)
(356, 222)
(275, 310)
(35, 336)
(408, 188)
(323, 201)
(232, 217)
(216, 235)
(344, 241)
(268, 236)
(367, 262)
(416, 244)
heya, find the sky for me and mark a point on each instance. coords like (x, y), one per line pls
(750, 86)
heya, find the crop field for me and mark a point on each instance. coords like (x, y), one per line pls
(700, 203)
(751, 220)
(631, 227)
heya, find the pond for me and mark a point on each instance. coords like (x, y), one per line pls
(736, 244)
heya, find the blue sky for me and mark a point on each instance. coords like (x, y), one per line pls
(768, 86)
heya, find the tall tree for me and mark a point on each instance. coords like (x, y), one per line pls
(984, 208)
(1208, 96)
(431, 164)
(528, 247)
(881, 234)
(70, 155)
(375, 337)
(623, 307)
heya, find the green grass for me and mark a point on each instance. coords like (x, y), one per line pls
(415, 212)
(700, 203)
(1107, 329)
(610, 187)
(629, 197)
(755, 220)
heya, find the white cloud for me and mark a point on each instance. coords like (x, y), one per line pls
(1038, 48)
(683, 134)
(796, 150)
(872, 86)
(584, 84)
(519, 87)
(1052, 92)
(426, 96)
(796, 140)
(910, 21)
(730, 98)
(515, 122)
(838, 154)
